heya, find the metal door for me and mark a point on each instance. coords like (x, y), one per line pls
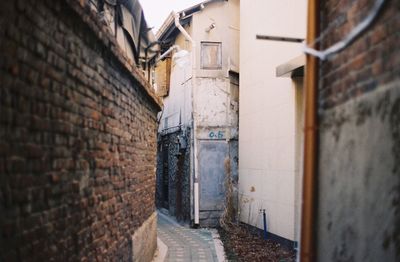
(212, 174)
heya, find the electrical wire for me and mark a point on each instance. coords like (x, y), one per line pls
(354, 33)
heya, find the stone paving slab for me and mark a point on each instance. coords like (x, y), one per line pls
(185, 243)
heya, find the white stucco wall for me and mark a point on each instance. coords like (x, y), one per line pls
(211, 97)
(267, 114)
(177, 105)
(225, 16)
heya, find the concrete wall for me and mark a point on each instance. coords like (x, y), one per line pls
(359, 108)
(359, 182)
(144, 240)
(267, 165)
(77, 139)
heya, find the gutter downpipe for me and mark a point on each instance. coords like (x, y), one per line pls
(308, 214)
(195, 160)
(172, 48)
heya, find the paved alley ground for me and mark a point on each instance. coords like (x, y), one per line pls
(188, 244)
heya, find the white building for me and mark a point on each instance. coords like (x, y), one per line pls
(199, 122)
(270, 115)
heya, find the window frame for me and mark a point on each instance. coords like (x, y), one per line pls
(202, 50)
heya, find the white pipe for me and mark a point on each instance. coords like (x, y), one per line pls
(350, 37)
(169, 51)
(195, 162)
(183, 31)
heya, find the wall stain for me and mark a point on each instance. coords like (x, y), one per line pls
(329, 226)
(334, 122)
(341, 252)
(383, 106)
(386, 240)
(364, 112)
(395, 129)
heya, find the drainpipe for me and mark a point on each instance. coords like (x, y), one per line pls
(172, 48)
(195, 162)
(307, 241)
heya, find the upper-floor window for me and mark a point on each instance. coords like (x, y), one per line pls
(211, 55)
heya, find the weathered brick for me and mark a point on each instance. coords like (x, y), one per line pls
(372, 58)
(77, 137)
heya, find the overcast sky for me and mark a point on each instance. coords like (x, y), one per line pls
(156, 11)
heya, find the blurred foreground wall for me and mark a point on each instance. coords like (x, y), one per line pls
(77, 139)
(359, 143)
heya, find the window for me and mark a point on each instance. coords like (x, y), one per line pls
(211, 55)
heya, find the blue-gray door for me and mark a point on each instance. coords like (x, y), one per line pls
(212, 174)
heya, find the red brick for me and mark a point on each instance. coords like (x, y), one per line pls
(372, 58)
(67, 151)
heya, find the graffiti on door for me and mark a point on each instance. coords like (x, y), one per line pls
(216, 134)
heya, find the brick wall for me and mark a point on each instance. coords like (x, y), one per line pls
(358, 212)
(77, 137)
(371, 61)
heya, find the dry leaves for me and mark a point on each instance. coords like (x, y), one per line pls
(242, 245)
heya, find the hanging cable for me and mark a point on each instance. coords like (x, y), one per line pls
(354, 33)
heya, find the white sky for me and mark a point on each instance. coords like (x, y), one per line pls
(156, 11)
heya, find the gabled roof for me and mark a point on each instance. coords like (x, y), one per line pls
(168, 27)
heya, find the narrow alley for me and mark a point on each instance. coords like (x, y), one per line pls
(187, 244)
(200, 130)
